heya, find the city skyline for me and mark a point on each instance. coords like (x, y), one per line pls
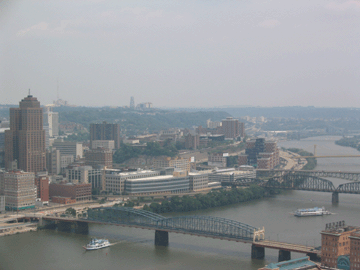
(181, 54)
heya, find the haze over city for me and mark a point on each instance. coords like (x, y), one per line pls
(181, 53)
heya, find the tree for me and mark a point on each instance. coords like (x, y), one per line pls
(70, 211)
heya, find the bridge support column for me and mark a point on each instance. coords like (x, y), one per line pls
(284, 255)
(161, 238)
(335, 197)
(41, 222)
(64, 226)
(313, 257)
(82, 227)
(257, 252)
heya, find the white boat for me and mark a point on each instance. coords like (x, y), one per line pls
(316, 211)
(97, 244)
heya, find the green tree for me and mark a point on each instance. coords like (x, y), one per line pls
(70, 211)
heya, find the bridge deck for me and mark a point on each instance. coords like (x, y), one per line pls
(287, 247)
(145, 227)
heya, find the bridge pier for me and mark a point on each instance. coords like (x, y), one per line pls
(284, 255)
(161, 238)
(313, 257)
(82, 227)
(335, 197)
(257, 252)
(64, 226)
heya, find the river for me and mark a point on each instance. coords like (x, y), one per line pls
(135, 247)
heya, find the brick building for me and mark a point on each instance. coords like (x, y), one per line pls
(355, 250)
(232, 128)
(261, 154)
(335, 242)
(78, 192)
(42, 186)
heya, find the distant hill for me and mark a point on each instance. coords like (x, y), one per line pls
(136, 122)
(288, 112)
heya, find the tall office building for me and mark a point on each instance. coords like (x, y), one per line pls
(51, 119)
(25, 141)
(105, 131)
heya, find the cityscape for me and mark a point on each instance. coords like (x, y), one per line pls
(179, 135)
(54, 179)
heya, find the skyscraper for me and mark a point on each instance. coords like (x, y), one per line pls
(25, 141)
(51, 119)
(105, 131)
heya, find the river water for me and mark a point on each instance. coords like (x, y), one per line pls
(135, 247)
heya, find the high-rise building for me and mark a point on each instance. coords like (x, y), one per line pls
(25, 141)
(105, 131)
(232, 128)
(19, 190)
(51, 119)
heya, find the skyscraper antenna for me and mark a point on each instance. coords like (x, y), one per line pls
(29, 91)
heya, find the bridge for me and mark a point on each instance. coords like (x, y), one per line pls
(303, 180)
(203, 226)
(352, 176)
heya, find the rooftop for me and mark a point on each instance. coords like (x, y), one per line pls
(159, 177)
(300, 263)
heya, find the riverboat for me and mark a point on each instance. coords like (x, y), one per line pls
(316, 211)
(97, 244)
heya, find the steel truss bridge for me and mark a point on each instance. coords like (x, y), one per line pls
(207, 226)
(304, 180)
(352, 176)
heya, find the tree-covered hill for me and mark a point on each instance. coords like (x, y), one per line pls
(135, 122)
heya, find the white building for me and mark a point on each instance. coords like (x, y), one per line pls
(115, 180)
(103, 144)
(51, 119)
(69, 148)
(19, 190)
(231, 175)
(161, 184)
(87, 175)
(199, 180)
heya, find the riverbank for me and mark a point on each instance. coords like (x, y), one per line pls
(311, 162)
(206, 201)
(17, 228)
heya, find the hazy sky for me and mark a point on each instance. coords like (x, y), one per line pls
(182, 53)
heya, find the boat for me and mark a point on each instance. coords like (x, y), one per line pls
(316, 211)
(97, 244)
